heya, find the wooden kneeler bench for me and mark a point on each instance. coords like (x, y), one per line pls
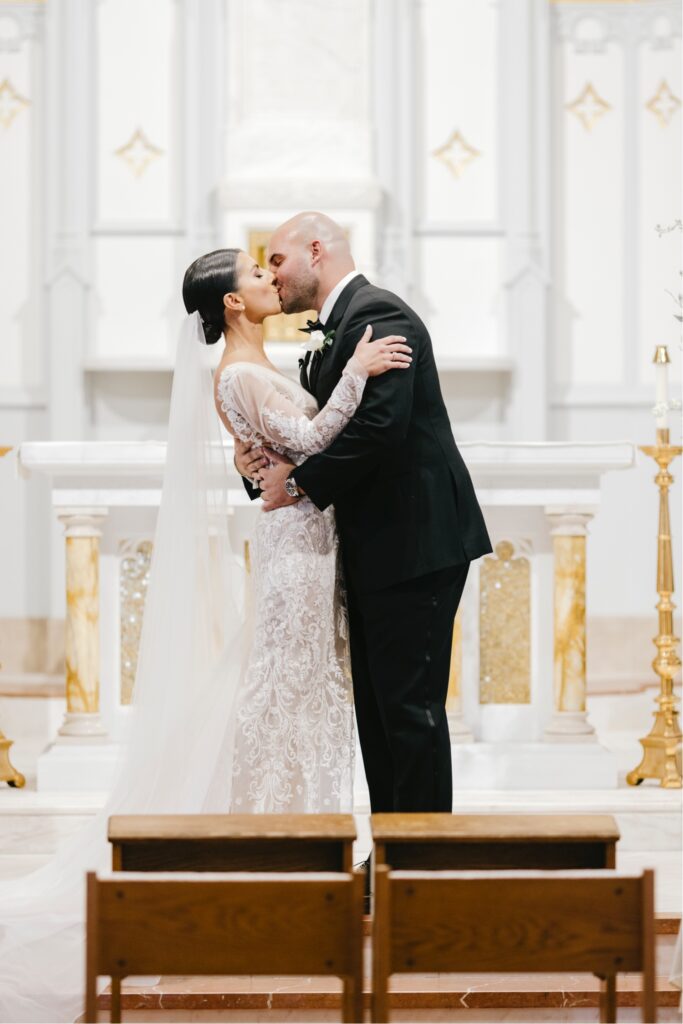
(232, 842)
(240, 923)
(514, 921)
(494, 842)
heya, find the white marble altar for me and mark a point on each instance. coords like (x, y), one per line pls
(525, 490)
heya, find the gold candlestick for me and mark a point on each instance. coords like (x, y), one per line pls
(8, 772)
(662, 746)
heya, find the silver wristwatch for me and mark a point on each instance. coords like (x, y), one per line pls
(291, 487)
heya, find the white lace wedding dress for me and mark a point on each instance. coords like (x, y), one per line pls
(264, 694)
(293, 743)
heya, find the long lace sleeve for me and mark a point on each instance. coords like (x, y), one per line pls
(254, 405)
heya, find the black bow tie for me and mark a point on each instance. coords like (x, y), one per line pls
(313, 325)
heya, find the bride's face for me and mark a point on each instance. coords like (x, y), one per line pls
(256, 289)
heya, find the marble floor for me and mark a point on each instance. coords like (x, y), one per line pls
(33, 823)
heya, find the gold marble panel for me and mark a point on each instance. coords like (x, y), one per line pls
(134, 579)
(82, 624)
(570, 622)
(455, 674)
(505, 628)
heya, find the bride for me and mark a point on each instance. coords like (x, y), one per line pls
(294, 718)
(233, 710)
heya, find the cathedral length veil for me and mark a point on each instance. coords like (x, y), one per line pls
(178, 755)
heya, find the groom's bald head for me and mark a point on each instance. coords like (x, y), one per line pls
(308, 254)
(310, 226)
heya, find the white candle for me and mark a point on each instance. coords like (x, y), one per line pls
(661, 361)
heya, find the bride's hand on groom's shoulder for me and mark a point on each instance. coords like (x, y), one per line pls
(376, 357)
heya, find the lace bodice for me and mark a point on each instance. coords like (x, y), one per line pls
(263, 406)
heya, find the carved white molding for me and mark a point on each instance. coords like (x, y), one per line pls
(301, 193)
(22, 398)
(569, 520)
(617, 22)
(20, 23)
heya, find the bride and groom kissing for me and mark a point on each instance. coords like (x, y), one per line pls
(359, 557)
(369, 519)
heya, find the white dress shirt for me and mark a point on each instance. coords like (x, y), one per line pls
(328, 304)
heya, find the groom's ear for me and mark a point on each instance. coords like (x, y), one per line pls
(316, 251)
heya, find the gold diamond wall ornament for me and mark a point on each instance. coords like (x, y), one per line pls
(663, 104)
(11, 103)
(138, 152)
(456, 153)
(589, 107)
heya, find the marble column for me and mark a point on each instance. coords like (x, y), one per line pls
(82, 529)
(457, 726)
(569, 722)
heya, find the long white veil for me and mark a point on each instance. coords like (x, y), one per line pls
(179, 753)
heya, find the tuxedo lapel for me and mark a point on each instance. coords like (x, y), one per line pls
(303, 372)
(335, 318)
(315, 369)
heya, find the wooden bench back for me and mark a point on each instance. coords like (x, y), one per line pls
(463, 922)
(228, 924)
(232, 842)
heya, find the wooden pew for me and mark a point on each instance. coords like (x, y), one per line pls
(216, 925)
(499, 842)
(601, 922)
(232, 842)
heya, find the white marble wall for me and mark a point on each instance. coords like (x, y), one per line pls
(533, 257)
(616, 175)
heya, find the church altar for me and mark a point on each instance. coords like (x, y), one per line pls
(516, 701)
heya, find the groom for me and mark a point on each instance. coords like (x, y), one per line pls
(407, 515)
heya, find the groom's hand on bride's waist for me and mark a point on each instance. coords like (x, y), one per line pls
(272, 483)
(249, 458)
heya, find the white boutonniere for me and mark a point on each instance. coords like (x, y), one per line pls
(317, 341)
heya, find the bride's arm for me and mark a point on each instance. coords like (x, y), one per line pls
(251, 402)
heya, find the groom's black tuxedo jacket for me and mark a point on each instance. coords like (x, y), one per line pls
(403, 497)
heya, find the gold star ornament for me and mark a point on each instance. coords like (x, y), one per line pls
(663, 104)
(138, 152)
(456, 153)
(589, 107)
(11, 103)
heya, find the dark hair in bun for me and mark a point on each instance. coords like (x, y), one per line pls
(205, 283)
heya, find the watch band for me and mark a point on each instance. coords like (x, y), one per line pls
(291, 487)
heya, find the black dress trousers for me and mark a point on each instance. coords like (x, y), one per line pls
(401, 641)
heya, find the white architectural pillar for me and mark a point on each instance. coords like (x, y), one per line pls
(524, 106)
(569, 722)
(393, 69)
